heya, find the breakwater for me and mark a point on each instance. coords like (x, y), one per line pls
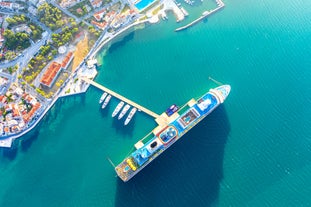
(205, 14)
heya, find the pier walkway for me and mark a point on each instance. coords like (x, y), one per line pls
(220, 5)
(122, 98)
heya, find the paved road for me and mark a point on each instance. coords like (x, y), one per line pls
(29, 52)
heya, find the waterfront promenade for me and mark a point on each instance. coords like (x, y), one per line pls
(122, 98)
(7, 141)
(205, 14)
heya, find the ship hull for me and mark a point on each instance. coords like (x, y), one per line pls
(174, 130)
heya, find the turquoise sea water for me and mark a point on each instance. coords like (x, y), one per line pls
(255, 150)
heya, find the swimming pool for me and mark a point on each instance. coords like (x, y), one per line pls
(143, 4)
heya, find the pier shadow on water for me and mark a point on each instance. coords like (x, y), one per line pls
(187, 174)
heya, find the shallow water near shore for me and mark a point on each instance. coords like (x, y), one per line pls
(254, 150)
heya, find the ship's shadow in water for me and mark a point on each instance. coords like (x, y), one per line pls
(187, 174)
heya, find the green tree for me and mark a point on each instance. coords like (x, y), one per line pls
(11, 21)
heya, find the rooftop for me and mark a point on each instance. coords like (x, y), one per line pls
(50, 74)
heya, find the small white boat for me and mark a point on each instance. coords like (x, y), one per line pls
(106, 101)
(130, 116)
(124, 110)
(102, 98)
(117, 109)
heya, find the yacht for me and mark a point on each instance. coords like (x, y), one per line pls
(102, 98)
(106, 101)
(124, 110)
(130, 116)
(117, 109)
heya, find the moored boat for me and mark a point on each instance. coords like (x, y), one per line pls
(124, 110)
(166, 134)
(117, 109)
(106, 101)
(102, 98)
(130, 116)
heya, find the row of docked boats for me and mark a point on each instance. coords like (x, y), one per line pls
(104, 100)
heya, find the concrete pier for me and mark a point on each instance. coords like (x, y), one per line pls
(122, 98)
(205, 14)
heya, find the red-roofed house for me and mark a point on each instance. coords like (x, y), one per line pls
(99, 15)
(30, 114)
(51, 74)
(96, 3)
(67, 60)
(15, 112)
(7, 5)
(100, 25)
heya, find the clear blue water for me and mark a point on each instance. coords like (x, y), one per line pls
(254, 150)
(142, 4)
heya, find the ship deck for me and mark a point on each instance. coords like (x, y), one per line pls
(168, 131)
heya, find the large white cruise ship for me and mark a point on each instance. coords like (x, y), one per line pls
(163, 136)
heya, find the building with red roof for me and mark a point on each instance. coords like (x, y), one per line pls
(50, 74)
(7, 5)
(99, 15)
(30, 114)
(96, 3)
(67, 60)
(100, 25)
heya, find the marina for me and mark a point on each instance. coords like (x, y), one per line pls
(205, 14)
(122, 98)
(245, 153)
